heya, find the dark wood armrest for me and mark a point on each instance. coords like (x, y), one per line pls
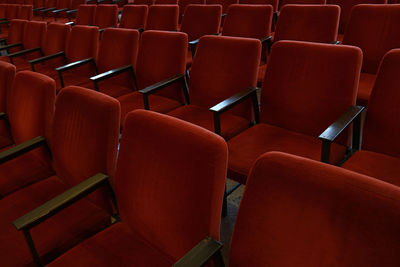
(233, 101)
(24, 52)
(266, 39)
(223, 15)
(335, 129)
(72, 11)
(3, 116)
(60, 202)
(45, 58)
(160, 85)
(141, 30)
(70, 23)
(111, 73)
(335, 42)
(6, 47)
(203, 252)
(60, 10)
(74, 65)
(47, 10)
(5, 21)
(20, 149)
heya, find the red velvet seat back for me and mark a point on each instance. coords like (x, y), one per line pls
(382, 124)
(143, 2)
(63, 4)
(301, 2)
(85, 134)
(74, 4)
(184, 3)
(222, 67)
(307, 86)
(86, 14)
(106, 16)
(300, 212)
(82, 43)
(25, 12)
(163, 18)
(134, 16)
(170, 193)
(7, 75)
(224, 3)
(31, 105)
(3, 10)
(165, 2)
(16, 31)
(253, 21)
(346, 6)
(273, 3)
(12, 11)
(313, 23)
(34, 33)
(373, 28)
(56, 38)
(161, 55)
(201, 20)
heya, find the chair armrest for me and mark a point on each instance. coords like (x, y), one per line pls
(199, 255)
(108, 74)
(38, 8)
(11, 46)
(75, 64)
(160, 85)
(336, 128)
(5, 21)
(140, 30)
(3, 116)
(20, 149)
(71, 23)
(335, 42)
(47, 10)
(60, 10)
(266, 39)
(223, 15)
(45, 58)
(24, 52)
(60, 202)
(72, 11)
(233, 101)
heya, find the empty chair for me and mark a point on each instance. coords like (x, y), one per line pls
(82, 43)
(25, 12)
(106, 16)
(379, 155)
(310, 214)
(307, 87)
(85, 15)
(162, 18)
(14, 35)
(82, 145)
(143, 2)
(118, 48)
(64, 15)
(222, 67)
(29, 112)
(273, 3)
(7, 75)
(187, 200)
(301, 2)
(47, 13)
(134, 16)
(374, 29)
(184, 3)
(165, 2)
(224, 3)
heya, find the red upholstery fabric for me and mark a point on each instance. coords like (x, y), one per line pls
(53, 236)
(313, 23)
(56, 38)
(184, 3)
(301, 2)
(307, 86)
(224, 3)
(134, 16)
(3, 10)
(165, 2)
(7, 75)
(367, 82)
(346, 6)
(12, 11)
(273, 3)
(253, 21)
(106, 16)
(30, 109)
(14, 33)
(201, 20)
(163, 18)
(25, 12)
(222, 67)
(252, 143)
(85, 15)
(141, 193)
(313, 214)
(155, 63)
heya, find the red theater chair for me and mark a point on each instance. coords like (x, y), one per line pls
(134, 16)
(52, 42)
(29, 111)
(106, 16)
(379, 155)
(14, 34)
(165, 2)
(67, 13)
(273, 3)
(84, 15)
(118, 48)
(77, 154)
(82, 44)
(11, 13)
(224, 3)
(299, 212)
(301, 2)
(184, 3)
(187, 200)
(223, 67)
(162, 18)
(307, 86)
(373, 28)
(7, 75)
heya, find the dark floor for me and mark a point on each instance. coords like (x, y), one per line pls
(228, 222)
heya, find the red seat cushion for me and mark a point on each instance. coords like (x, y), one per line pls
(365, 86)
(231, 125)
(157, 103)
(374, 164)
(245, 148)
(109, 87)
(118, 246)
(62, 231)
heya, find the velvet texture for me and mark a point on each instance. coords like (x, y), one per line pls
(307, 86)
(372, 22)
(184, 3)
(85, 15)
(346, 6)
(7, 75)
(30, 109)
(224, 3)
(25, 12)
(313, 214)
(118, 47)
(222, 67)
(134, 16)
(273, 3)
(106, 16)
(156, 63)
(301, 2)
(141, 191)
(14, 33)
(380, 156)
(163, 18)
